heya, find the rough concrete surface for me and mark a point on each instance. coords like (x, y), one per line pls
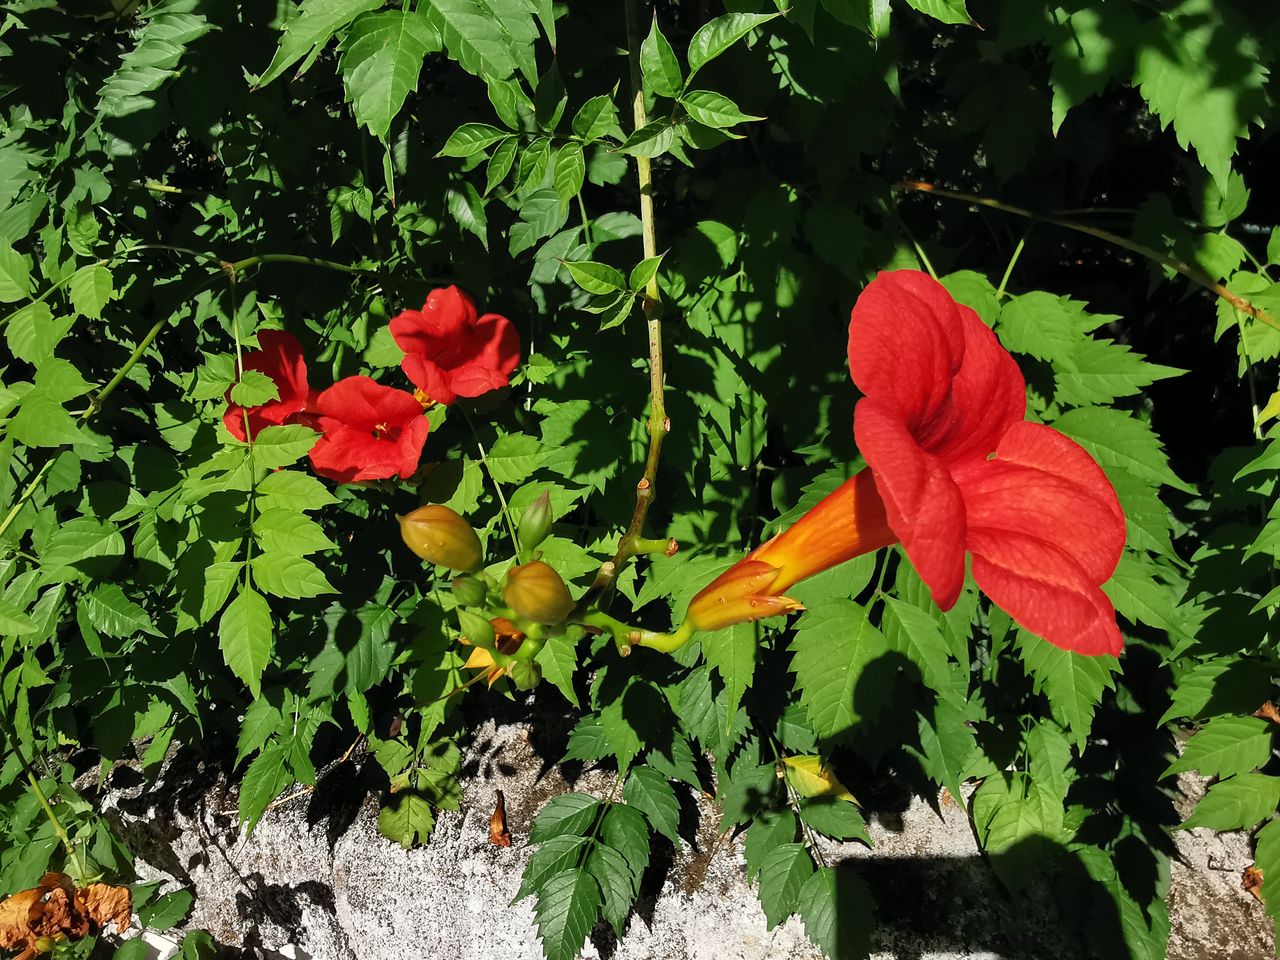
(316, 880)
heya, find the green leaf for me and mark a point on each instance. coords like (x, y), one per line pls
(34, 333)
(1225, 747)
(617, 312)
(167, 911)
(569, 813)
(649, 792)
(513, 457)
(834, 817)
(643, 272)
(1045, 326)
(293, 490)
(714, 38)
(625, 829)
(732, 652)
(1100, 370)
(568, 906)
(382, 56)
(834, 642)
(407, 819)
(13, 622)
(81, 542)
(1236, 804)
(595, 277)
(472, 138)
(467, 209)
(784, 871)
(597, 118)
(475, 38)
(289, 576)
(499, 165)
(946, 745)
(114, 614)
(254, 389)
(947, 11)
(91, 290)
(15, 275)
(569, 172)
(1072, 682)
(558, 659)
(1169, 70)
(713, 109)
(267, 777)
(651, 140)
(617, 884)
(1267, 855)
(245, 636)
(918, 636)
(276, 447)
(318, 20)
(553, 857)
(771, 829)
(658, 64)
(283, 530)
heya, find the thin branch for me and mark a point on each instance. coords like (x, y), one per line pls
(659, 423)
(1191, 272)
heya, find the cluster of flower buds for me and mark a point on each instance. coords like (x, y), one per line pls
(505, 624)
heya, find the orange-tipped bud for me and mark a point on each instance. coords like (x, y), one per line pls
(847, 523)
(535, 591)
(740, 594)
(438, 535)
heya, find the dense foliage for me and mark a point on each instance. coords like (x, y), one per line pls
(676, 206)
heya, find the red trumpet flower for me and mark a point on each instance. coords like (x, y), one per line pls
(449, 352)
(954, 467)
(371, 432)
(279, 358)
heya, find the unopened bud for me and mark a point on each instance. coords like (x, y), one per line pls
(535, 591)
(536, 522)
(476, 629)
(469, 591)
(437, 534)
(44, 944)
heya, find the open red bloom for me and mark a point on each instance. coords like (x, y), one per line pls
(956, 469)
(279, 358)
(450, 353)
(370, 432)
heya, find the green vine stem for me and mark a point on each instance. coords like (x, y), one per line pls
(659, 423)
(1191, 272)
(73, 853)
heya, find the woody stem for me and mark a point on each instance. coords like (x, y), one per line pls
(659, 425)
(1190, 271)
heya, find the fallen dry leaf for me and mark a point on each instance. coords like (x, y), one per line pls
(1252, 881)
(498, 834)
(946, 797)
(1268, 711)
(15, 929)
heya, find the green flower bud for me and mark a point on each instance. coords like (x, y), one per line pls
(437, 534)
(469, 591)
(535, 591)
(525, 674)
(477, 629)
(536, 522)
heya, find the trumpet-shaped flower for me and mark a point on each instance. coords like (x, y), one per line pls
(450, 352)
(370, 432)
(953, 468)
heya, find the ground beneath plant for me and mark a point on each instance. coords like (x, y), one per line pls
(316, 880)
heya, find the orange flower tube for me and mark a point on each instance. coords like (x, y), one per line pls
(847, 523)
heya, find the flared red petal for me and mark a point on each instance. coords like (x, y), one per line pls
(922, 502)
(1046, 530)
(935, 365)
(279, 358)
